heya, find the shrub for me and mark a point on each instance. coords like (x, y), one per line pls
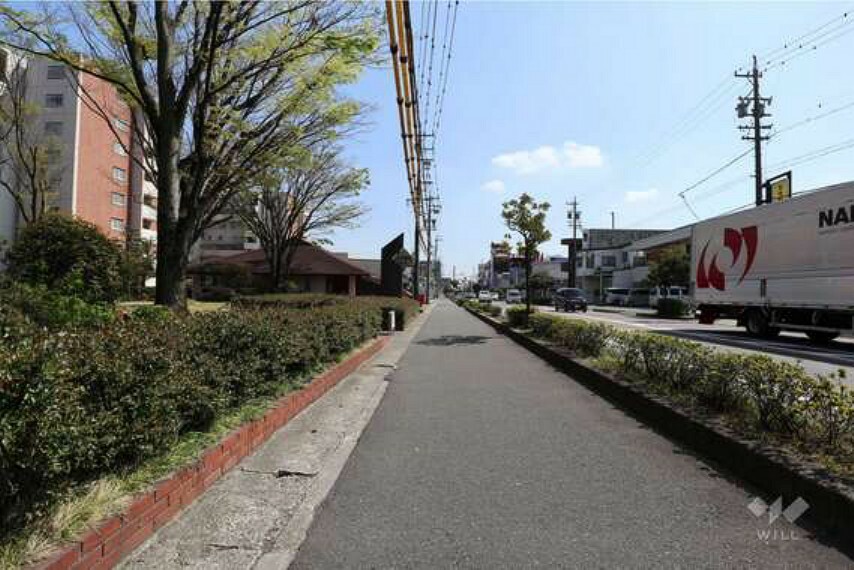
(673, 308)
(82, 404)
(541, 324)
(776, 391)
(721, 388)
(67, 256)
(495, 311)
(517, 316)
(44, 308)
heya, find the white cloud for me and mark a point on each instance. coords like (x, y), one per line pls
(494, 186)
(528, 161)
(547, 157)
(636, 196)
(583, 155)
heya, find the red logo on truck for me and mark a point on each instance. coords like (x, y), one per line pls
(735, 241)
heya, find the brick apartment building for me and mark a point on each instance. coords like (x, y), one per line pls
(98, 180)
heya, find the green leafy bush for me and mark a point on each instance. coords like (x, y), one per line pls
(69, 257)
(81, 404)
(494, 311)
(767, 395)
(673, 308)
(517, 316)
(45, 308)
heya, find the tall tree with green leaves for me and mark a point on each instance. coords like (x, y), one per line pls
(223, 91)
(670, 268)
(527, 218)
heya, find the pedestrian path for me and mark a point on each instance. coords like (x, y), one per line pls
(483, 456)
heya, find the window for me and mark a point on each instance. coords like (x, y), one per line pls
(55, 72)
(147, 224)
(120, 124)
(53, 128)
(609, 260)
(119, 149)
(53, 100)
(117, 224)
(119, 174)
(118, 199)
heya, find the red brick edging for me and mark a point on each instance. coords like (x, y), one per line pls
(118, 536)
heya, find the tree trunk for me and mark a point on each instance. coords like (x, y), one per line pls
(527, 280)
(173, 234)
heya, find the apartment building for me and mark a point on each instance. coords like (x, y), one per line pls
(607, 260)
(97, 179)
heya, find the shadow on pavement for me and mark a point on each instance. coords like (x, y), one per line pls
(453, 339)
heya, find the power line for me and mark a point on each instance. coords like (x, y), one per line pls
(811, 119)
(717, 171)
(798, 42)
(441, 104)
(812, 45)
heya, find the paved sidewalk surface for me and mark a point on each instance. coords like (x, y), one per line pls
(252, 518)
(482, 456)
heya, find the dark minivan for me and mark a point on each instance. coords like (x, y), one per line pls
(569, 299)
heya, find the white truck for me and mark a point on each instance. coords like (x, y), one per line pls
(782, 266)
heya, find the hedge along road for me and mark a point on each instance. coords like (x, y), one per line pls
(481, 455)
(791, 347)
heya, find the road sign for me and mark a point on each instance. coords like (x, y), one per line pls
(779, 188)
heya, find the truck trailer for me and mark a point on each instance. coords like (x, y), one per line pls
(781, 266)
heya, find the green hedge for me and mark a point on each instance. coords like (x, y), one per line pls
(85, 403)
(673, 308)
(517, 316)
(761, 394)
(408, 308)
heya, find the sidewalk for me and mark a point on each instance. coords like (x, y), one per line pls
(257, 515)
(483, 456)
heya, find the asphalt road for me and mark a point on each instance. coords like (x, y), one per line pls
(724, 334)
(483, 456)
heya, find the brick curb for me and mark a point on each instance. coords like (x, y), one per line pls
(831, 503)
(118, 536)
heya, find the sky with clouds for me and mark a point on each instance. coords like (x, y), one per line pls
(623, 105)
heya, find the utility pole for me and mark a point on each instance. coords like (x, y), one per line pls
(613, 226)
(573, 216)
(433, 208)
(756, 113)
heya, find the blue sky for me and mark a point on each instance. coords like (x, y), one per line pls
(562, 98)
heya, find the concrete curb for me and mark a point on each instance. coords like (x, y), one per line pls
(113, 539)
(831, 503)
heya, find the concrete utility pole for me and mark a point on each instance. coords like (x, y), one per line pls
(613, 226)
(756, 113)
(573, 216)
(433, 208)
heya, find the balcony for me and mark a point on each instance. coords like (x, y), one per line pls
(148, 235)
(149, 212)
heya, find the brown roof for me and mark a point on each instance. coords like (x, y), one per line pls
(308, 260)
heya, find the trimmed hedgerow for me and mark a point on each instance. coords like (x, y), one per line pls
(84, 403)
(517, 316)
(761, 394)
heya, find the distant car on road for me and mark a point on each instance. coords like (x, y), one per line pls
(495, 296)
(658, 293)
(484, 296)
(616, 296)
(570, 299)
(513, 296)
(638, 298)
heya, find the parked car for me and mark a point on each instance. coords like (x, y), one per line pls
(657, 293)
(569, 299)
(514, 296)
(637, 298)
(484, 295)
(616, 296)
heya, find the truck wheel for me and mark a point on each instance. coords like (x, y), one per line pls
(757, 325)
(821, 337)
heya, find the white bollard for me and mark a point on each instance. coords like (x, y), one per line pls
(391, 324)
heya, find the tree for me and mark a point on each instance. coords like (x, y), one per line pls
(68, 256)
(224, 92)
(672, 267)
(527, 218)
(305, 202)
(30, 162)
